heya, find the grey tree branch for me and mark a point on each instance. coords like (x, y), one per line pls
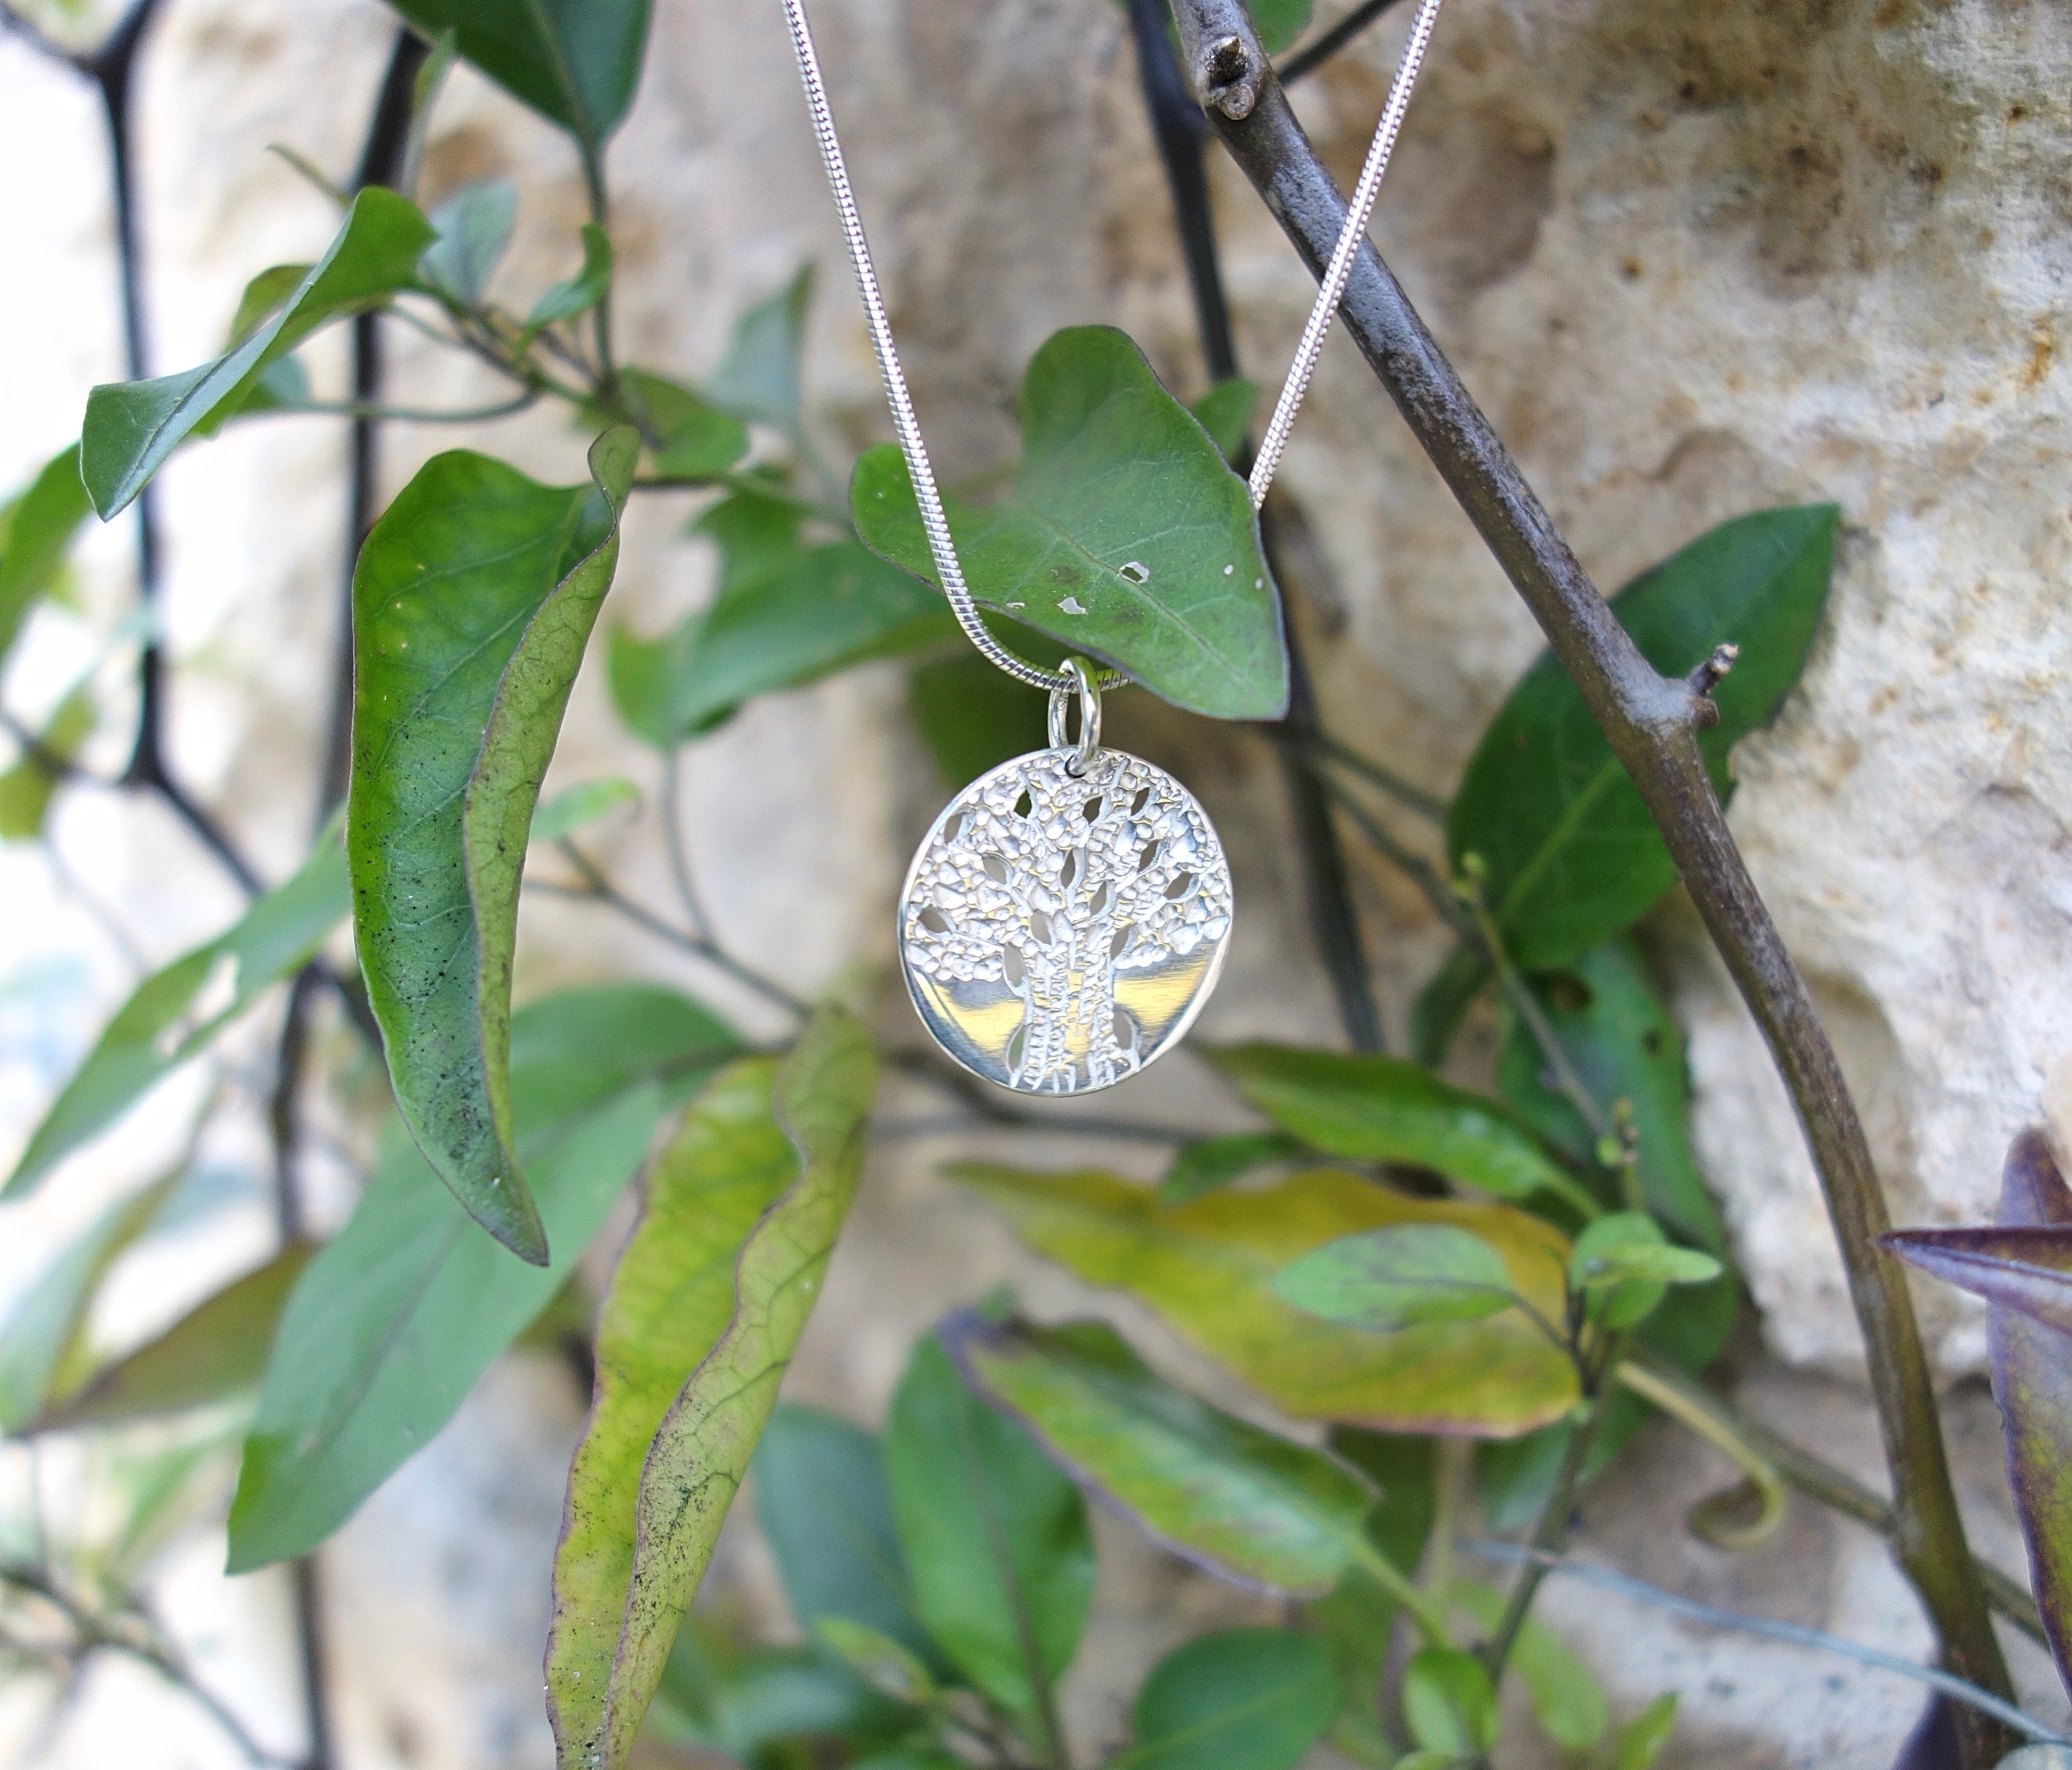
(1651, 723)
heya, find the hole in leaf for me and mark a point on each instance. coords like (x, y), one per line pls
(1122, 940)
(1069, 872)
(953, 831)
(1018, 1047)
(1039, 927)
(1133, 571)
(1013, 966)
(1091, 809)
(1024, 805)
(1142, 800)
(1147, 855)
(1567, 993)
(995, 869)
(1103, 899)
(934, 921)
(1183, 884)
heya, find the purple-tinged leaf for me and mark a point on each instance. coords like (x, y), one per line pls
(2032, 1381)
(2027, 1269)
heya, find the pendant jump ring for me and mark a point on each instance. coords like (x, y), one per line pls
(1082, 677)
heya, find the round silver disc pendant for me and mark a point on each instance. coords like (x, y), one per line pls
(1059, 931)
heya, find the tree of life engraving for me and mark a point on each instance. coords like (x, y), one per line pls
(1059, 932)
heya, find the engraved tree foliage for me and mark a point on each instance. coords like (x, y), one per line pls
(1050, 887)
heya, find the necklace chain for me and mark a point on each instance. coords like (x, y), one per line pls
(908, 427)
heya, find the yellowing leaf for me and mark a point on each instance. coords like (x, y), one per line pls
(620, 1596)
(1207, 1268)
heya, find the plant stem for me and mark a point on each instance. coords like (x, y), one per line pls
(1652, 724)
(1675, 1399)
(678, 848)
(1549, 1535)
(1404, 792)
(600, 213)
(1800, 1468)
(1177, 128)
(597, 888)
(1311, 57)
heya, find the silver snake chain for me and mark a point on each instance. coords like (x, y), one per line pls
(1329, 291)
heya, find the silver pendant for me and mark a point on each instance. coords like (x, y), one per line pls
(1065, 920)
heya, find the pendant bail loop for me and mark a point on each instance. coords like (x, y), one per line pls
(1088, 687)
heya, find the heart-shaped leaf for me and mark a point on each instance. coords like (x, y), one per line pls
(1207, 1268)
(1250, 1507)
(1126, 537)
(133, 426)
(1571, 855)
(472, 602)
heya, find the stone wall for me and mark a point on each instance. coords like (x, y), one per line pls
(1690, 259)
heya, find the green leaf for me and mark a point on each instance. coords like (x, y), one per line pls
(133, 426)
(472, 602)
(263, 298)
(995, 1539)
(1225, 410)
(822, 1504)
(1642, 1739)
(574, 61)
(2032, 1382)
(699, 440)
(1248, 1698)
(579, 293)
(177, 1011)
(1448, 1704)
(42, 1350)
(973, 717)
(826, 609)
(1378, 1108)
(1567, 1699)
(1127, 537)
(760, 377)
(216, 1352)
(28, 786)
(620, 1630)
(578, 807)
(37, 532)
(473, 226)
(1279, 23)
(400, 1314)
(1213, 1162)
(1207, 1268)
(1626, 1258)
(1395, 1278)
(670, 1299)
(767, 1707)
(1572, 856)
(1246, 1506)
(885, 1666)
(1625, 1046)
